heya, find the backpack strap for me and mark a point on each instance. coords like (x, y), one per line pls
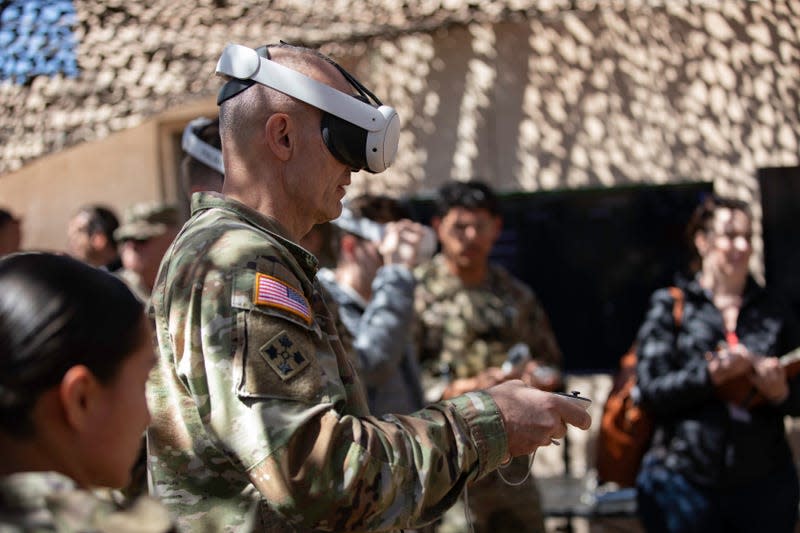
(677, 306)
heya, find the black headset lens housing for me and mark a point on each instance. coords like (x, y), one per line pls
(344, 140)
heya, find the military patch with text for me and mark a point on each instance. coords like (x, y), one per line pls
(283, 356)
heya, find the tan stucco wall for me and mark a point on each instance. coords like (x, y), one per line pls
(139, 164)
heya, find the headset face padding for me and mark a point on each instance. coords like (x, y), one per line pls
(345, 141)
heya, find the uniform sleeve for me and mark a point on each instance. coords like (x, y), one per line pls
(275, 403)
(668, 380)
(382, 332)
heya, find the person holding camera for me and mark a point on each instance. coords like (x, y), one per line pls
(260, 421)
(373, 286)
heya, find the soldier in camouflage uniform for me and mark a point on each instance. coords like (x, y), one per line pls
(145, 234)
(49, 501)
(260, 422)
(75, 353)
(470, 313)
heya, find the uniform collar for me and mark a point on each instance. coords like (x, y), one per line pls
(453, 282)
(23, 490)
(202, 201)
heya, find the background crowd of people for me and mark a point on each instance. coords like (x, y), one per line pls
(368, 395)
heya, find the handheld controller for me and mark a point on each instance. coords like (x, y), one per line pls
(576, 398)
(518, 355)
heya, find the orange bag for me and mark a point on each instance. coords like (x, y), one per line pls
(626, 429)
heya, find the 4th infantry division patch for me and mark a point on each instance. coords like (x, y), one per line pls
(283, 357)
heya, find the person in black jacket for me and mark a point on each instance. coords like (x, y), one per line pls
(719, 460)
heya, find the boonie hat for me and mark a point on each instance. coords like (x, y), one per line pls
(146, 220)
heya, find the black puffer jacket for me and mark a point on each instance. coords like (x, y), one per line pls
(697, 434)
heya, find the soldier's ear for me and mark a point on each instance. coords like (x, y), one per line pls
(98, 240)
(279, 132)
(76, 392)
(436, 222)
(497, 223)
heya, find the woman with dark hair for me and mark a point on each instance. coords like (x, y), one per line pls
(719, 461)
(75, 354)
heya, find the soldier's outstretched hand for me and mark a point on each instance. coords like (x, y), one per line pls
(533, 417)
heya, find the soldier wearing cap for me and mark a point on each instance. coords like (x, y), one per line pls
(146, 232)
(255, 404)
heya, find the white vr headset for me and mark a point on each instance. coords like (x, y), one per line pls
(358, 134)
(199, 149)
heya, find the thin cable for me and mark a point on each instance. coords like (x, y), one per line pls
(507, 482)
(466, 511)
(524, 478)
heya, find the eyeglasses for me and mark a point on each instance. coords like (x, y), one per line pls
(731, 236)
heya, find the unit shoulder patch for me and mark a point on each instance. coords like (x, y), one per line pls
(283, 356)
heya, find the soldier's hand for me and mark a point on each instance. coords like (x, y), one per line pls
(541, 376)
(533, 417)
(483, 380)
(400, 244)
(489, 378)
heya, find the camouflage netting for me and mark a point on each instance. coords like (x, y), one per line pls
(537, 94)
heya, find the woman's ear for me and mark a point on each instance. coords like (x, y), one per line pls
(701, 242)
(76, 391)
(280, 140)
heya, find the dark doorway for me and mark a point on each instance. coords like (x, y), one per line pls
(593, 257)
(780, 203)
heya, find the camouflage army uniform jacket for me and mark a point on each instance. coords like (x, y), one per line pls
(256, 406)
(49, 501)
(464, 330)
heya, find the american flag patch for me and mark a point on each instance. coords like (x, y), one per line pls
(275, 293)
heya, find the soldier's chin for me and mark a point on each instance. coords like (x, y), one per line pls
(334, 213)
(467, 260)
(471, 255)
